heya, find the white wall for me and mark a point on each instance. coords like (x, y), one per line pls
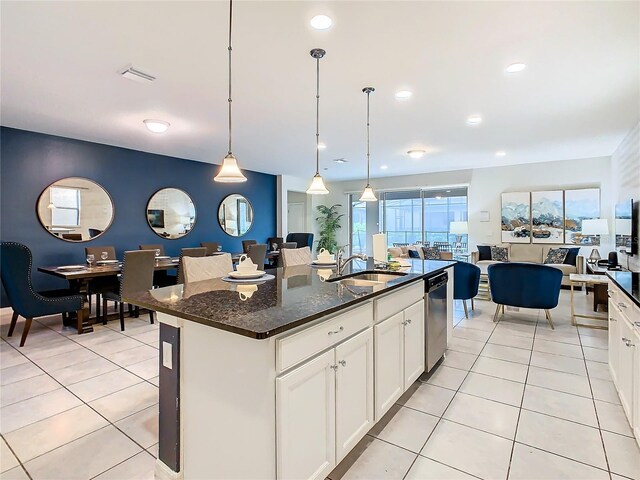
(625, 173)
(486, 185)
(286, 184)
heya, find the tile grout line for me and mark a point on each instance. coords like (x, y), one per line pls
(16, 457)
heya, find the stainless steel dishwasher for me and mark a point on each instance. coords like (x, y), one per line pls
(436, 318)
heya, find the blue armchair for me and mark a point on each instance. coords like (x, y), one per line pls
(302, 239)
(525, 285)
(15, 267)
(466, 278)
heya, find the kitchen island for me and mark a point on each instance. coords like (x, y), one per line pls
(282, 379)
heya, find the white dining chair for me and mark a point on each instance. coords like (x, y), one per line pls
(197, 269)
(295, 256)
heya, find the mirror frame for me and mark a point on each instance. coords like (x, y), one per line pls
(113, 210)
(195, 213)
(252, 214)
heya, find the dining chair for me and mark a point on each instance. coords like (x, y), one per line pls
(161, 278)
(205, 268)
(277, 241)
(153, 246)
(189, 252)
(94, 232)
(302, 239)
(284, 245)
(97, 251)
(137, 276)
(295, 256)
(212, 247)
(466, 279)
(72, 236)
(258, 254)
(246, 243)
(15, 269)
(101, 284)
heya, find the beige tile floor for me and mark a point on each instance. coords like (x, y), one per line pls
(511, 400)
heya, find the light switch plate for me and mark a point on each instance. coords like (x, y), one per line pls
(167, 355)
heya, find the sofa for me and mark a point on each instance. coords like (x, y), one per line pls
(532, 253)
(403, 252)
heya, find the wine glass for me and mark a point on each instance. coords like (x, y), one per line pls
(90, 259)
(157, 250)
(219, 248)
(274, 247)
(104, 255)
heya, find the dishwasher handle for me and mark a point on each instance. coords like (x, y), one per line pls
(436, 282)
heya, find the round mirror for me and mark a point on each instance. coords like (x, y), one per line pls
(235, 215)
(171, 213)
(75, 209)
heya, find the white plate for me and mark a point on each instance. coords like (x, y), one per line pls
(71, 268)
(175, 260)
(107, 262)
(318, 262)
(237, 274)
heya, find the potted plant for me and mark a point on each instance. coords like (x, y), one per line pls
(329, 221)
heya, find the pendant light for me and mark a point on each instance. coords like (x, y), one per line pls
(367, 194)
(317, 184)
(230, 172)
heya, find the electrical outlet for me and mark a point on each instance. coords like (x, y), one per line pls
(167, 355)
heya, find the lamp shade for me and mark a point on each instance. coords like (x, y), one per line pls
(596, 226)
(230, 172)
(317, 186)
(368, 195)
(458, 228)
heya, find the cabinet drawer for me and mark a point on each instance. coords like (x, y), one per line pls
(398, 300)
(306, 343)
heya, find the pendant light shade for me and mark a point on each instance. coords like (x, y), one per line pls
(230, 172)
(317, 184)
(368, 195)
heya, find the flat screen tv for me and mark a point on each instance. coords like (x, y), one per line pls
(156, 218)
(626, 226)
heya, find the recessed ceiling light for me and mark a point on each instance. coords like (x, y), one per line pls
(515, 68)
(403, 94)
(321, 146)
(321, 22)
(340, 160)
(156, 126)
(383, 167)
(438, 197)
(416, 153)
(474, 120)
(500, 153)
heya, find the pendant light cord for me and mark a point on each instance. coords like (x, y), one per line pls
(368, 157)
(230, 49)
(317, 116)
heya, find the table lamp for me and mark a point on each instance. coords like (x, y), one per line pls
(459, 229)
(595, 226)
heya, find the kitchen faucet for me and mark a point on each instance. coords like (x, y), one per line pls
(341, 264)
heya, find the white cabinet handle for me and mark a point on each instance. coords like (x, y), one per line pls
(335, 367)
(629, 344)
(622, 305)
(336, 331)
(343, 363)
(625, 340)
(637, 324)
(406, 322)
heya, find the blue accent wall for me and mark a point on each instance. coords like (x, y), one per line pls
(30, 161)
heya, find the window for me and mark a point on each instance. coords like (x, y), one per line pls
(66, 203)
(358, 225)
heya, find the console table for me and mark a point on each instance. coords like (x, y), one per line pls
(579, 279)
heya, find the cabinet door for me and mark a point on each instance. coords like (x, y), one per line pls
(625, 371)
(636, 382)
(413, 343)
(354, 391)
(305, 416)
(614, 341)
(389, 362)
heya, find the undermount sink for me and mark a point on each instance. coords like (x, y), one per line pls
(368, 279)
(356, 282)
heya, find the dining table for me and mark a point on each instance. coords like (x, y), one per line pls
(80, 278)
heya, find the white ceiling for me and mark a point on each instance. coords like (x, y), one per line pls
(578, 97)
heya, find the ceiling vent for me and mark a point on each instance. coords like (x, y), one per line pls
(137, 76)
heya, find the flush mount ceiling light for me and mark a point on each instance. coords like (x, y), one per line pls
(321, 22)
(501, 153)
(367, 194)
(474, 120)
(230, 172)
(403, 94)
(317, 184)
(340, 160)
(156, 126)
(416, 153)
(515, 68)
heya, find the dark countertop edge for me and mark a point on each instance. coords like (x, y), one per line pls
(623, 288)
(294, 324)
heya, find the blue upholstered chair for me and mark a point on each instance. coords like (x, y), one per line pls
(16, 262)
(525, 285)
(466, 278)
(301, 239)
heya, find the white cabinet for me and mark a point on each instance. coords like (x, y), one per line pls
(636, 383)
(354, 391)
(399, 355)
(323, 408)
(625, 371)
(306, 420)
(614, 340)
(389, 362)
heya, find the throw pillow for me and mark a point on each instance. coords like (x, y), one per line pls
(499, 254)
(572, 254)
(556, 255)
(484, 252)
(431, 253)
(414, 254)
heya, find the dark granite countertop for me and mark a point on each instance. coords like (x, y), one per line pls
(629, 283)
(296, 296)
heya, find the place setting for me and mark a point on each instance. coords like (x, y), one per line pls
(247, 272)
(325, 259)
